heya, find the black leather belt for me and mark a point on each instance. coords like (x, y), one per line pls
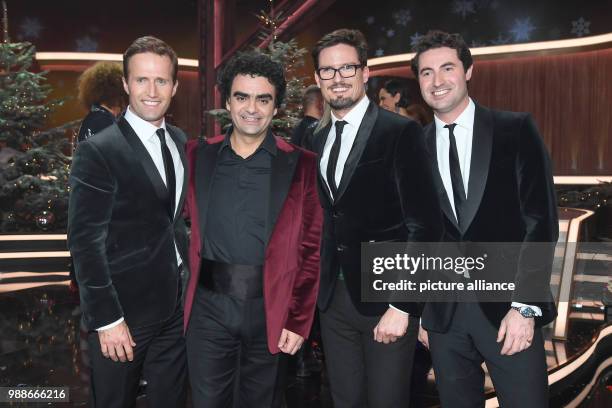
(239, 281)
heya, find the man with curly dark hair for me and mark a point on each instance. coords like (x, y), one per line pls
(254, 251)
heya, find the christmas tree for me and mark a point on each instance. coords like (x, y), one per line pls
(291, 57)
(33, 165)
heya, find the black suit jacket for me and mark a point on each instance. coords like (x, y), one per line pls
(511, 198)
(120, 233)
(386, 194)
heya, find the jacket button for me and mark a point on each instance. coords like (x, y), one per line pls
(341, 247)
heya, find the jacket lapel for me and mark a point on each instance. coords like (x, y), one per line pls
(320, 138)
(283, 168)
(180, 146)
(482, 141)
(145, 160)
(430, 135)
(361, 140)
(206, 160)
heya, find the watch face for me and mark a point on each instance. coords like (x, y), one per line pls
(527, 312)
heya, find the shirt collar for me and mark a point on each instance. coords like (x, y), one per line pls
(145, 130)
(464, 120)
(269, 143)
(356, 114)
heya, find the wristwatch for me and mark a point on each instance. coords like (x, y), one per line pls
(525, 311)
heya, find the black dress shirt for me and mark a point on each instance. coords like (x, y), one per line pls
(237, 215)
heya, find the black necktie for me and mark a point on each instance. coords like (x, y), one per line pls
(333, 158)
(169, 167)
(455, 173)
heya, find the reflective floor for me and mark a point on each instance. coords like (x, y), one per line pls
(42, 344)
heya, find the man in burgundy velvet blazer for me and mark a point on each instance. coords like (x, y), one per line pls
(252, 197)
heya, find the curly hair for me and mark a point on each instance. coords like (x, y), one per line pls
(101, 84)
(354, 38)
(252, 63)
(439, 39)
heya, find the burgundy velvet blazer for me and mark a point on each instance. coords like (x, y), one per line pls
(291, 268)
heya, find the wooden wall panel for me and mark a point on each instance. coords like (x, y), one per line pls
(570, 97)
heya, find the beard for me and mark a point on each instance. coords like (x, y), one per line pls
(342, 103)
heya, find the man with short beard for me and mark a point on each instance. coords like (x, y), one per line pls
(254, 251)
(375, 184)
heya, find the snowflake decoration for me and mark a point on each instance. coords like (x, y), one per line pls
(370, 20)
(402, 17)
(414, 39)
(30, 28)
(390, 33)
(464, 7)
(86, 44)
(521, 30)
(580, 27)
(379, 52)
(500, 40)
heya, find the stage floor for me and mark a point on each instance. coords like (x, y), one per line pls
(42, 343)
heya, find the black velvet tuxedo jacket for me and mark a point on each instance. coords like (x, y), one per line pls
(511, 198)
(120, 232)
(386, 194)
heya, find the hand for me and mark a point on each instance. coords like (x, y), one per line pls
(518, 333)
(423, 337)
(117, 343)
(290, 342)
(391, 326)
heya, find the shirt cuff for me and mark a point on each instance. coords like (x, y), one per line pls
(110, 326)
(399, 310)
(537, 310)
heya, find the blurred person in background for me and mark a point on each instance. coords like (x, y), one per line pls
(101, 92)
(393, 96)
(313, 109)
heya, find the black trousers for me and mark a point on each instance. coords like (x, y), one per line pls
(362, 372)
(159, 357)
(227, 352)
(520, 380)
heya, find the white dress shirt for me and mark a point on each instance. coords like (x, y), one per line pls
(464, 133)
(146, 132)
(353, 120)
